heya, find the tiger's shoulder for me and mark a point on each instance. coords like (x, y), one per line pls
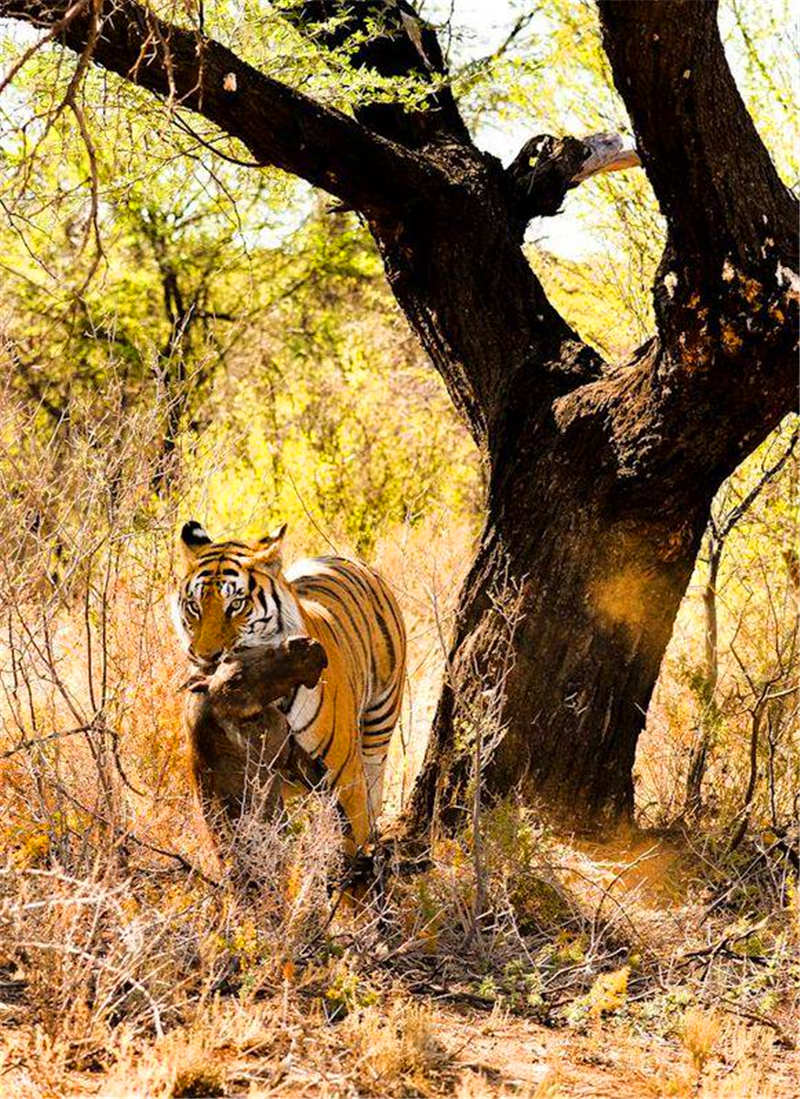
(334, 580)
(304, 572)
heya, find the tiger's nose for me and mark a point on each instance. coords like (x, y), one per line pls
(205, 658)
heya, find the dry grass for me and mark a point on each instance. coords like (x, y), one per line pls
(699, 1034)
(219, 992)
(136, 962)
(397, 1050)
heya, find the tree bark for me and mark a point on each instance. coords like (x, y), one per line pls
(600, 475)
(601, 583)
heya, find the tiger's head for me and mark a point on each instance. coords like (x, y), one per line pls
(232, 596)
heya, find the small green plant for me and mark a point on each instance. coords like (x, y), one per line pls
(608, 995)
(346, 993)
(518, 989)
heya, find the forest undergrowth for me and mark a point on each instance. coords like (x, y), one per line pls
(183, 336)
(520, 958)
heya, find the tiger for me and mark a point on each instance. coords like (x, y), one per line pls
(236, 595)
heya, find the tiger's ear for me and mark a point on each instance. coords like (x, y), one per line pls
(193, 537)
(268, 551)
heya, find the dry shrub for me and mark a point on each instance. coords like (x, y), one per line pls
(34, 1065)
(699, 1033)
(113, 908)
(106, 951)
(398, 1051)
(747, 1070)
(197, 1056)
(729, 1060)
(287, 869)
(181, 1065)
(96, 954)
(735, 699)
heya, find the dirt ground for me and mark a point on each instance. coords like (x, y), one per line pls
(478, 1053)
(428, 1028)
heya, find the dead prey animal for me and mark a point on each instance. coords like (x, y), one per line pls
(241, 751)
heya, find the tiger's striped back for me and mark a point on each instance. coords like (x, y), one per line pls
(348, 719)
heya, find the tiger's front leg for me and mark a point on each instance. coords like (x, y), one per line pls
(351, 791)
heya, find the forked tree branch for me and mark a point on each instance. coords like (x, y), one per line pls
(280, 126)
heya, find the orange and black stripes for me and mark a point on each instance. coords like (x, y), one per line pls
(352, 613)
(236, 596)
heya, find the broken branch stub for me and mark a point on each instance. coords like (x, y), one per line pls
(546, 167)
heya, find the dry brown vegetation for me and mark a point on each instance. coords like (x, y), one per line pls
(206, 370)
(136, 962)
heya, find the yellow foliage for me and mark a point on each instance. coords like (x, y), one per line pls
(30, 847)
(608, 993)
(294, 881)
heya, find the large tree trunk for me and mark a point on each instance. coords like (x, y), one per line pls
(599, 595)
(601, 478)
(600, 485)
(600, 475)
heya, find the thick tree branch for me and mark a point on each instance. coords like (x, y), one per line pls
(725, 298)
(280, 126)
(547, 167)
(713, 177)
(393, 40)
